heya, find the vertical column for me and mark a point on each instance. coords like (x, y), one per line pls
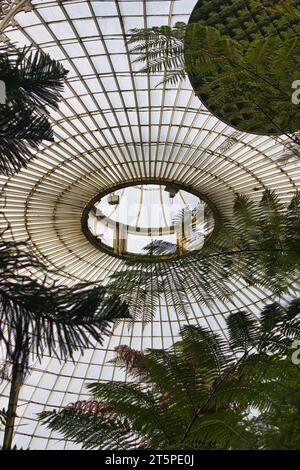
(120, 238)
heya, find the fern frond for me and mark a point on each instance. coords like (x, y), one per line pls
(197, 395)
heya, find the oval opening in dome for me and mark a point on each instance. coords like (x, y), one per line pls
(154, 220)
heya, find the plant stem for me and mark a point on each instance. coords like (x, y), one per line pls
(197, 414)
(15, 386)
(19, 360)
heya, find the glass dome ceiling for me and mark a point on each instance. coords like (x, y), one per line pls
(116, 126)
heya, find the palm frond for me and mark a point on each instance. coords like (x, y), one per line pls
(33, 83)
(33, 78)
(48, 317)
(21, 131)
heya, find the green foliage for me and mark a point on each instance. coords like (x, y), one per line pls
(259, 84)
(241, 58)
(38, 317)
(245, 20)
(20, 131)
(32, 78)
(33, 83)
(197, 395)
(278, 428)
(160, 49)
(259, 247)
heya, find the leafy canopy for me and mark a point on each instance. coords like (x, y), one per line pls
(37, 316)
(241, 58)
(33, 83)
(197, 395)
(259, 246)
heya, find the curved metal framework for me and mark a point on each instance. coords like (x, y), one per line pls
(8, 10)
(115, 126)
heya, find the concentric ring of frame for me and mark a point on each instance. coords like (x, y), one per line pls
(127, 144)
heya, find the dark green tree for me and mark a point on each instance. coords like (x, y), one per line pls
(33, 82)
(259, 246)
(242, 58)
(277, 428)
(38, 317)
(197, 395)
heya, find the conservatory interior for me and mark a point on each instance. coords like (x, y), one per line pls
(150, 224)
